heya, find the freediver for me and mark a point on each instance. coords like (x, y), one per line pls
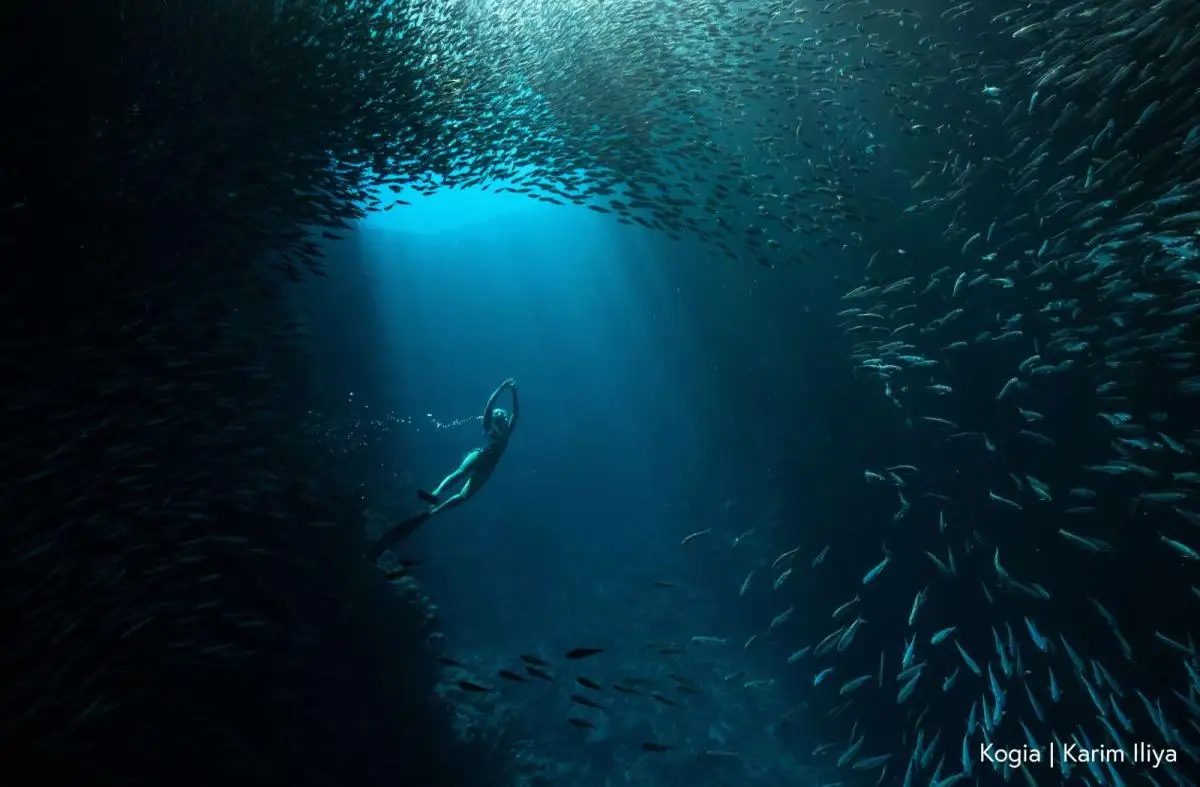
(479, 464)
(476, 468)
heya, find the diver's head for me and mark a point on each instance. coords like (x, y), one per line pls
(501, 419)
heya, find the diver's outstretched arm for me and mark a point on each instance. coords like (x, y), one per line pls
(491, 403)
(491, 406)
(516, 411)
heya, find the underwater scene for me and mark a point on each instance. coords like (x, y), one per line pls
(601, 393)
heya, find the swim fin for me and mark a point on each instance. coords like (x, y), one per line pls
(396, 535)
(428, 498)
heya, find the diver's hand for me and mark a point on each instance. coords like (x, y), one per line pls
(509, 383)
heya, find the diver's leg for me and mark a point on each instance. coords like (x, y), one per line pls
(458, 498)
(449, 480)
(462, 472)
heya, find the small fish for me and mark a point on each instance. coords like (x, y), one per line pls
(467, 685)
(784, 556)
(1175, 644)
(942, 567)
(829, 642)
(907, 689)
(584, 701)
(940, 635)
(1126, 648)
(1013, 383)
(655, 747)
(918, 602)
(582, 724)
(848, 636)
(1183, 550)
(782, 617)
(910, 652)
(700, 640)
(871, 763)
(877, 569)
(912, 670)
(693, 536)
(1033, 703)
(837, 612)
(1085, 543)
(582, 653)
(1039, 641)
(510, 675)
(588, 683)
(853, 684)
(970, 662)
(1004, 501)
(745, 584)
(851, 751)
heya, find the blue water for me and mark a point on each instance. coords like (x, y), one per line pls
(661, 393)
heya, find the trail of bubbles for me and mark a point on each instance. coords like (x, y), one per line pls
(361, 426)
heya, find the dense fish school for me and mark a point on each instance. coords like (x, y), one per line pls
(1009, 194)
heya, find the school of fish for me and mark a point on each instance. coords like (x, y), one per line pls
(168, 520)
